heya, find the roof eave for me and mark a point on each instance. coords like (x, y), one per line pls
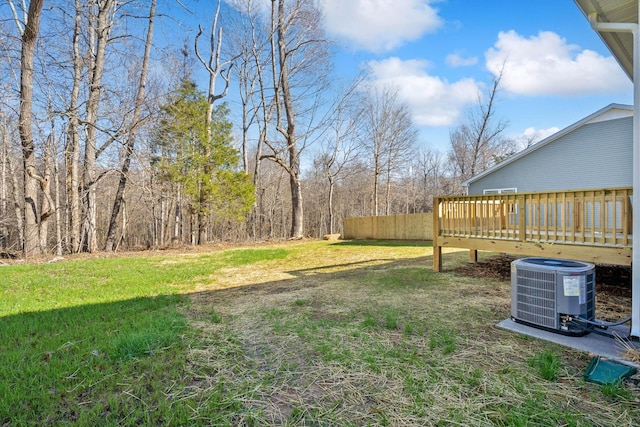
(620, 44)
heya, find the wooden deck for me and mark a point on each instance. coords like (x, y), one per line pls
(588, 225)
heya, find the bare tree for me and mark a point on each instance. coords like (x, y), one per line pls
(296, 46)
(248, 40)
(29, 33)
(339, 148)
(100, 30)
(47, 205)
(214, 65)
(4, 173)
(17, 205)
(10, 200)
(55, 178)
(131, 135)
(389, 136)
(11, 219)
(431, 170)
(352, 195)
(478, 141)
(72, 148)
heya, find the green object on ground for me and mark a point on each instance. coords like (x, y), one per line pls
(603, 371)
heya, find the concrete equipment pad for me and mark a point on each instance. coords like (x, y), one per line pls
(597, 344)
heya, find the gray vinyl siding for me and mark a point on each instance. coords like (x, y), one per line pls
(596, 155)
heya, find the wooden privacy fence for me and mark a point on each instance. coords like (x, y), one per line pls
(391, 227)
(587, 225)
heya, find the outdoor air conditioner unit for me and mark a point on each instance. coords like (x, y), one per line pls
(551, 293)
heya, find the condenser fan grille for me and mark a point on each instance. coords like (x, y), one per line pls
(536, 297)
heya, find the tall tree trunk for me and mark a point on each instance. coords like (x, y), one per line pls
(376, 180)
(4, 214)
(388, 191)
(178, 227)
(15, 194)
(202, 220)
(56, 198)
(267, 111)
(72, 149)
(102, 29)
(29, 36)
(46, 207)
(17, 206)
(194, 228)
(162, 225)
(331, 185)
(290, 132)
(123, 227)
(130, 143)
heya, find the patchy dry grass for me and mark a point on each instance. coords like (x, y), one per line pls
(348, 334)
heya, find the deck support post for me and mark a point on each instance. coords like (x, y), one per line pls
(437, 259)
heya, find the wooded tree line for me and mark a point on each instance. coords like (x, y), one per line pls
(112, 139)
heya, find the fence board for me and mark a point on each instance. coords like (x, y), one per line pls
(391, 227)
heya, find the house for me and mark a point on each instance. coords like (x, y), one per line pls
(593, 153)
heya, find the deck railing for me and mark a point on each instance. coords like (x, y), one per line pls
(597, 218)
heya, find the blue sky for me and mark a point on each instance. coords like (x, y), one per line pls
(441, 53)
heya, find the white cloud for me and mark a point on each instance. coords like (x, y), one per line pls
(547, 65)
(433, 101)
(537, 135)
(379, 25)
(457, 60)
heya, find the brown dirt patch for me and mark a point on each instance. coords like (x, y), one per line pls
(497, 267)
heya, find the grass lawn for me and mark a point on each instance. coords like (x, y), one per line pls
(305, 333)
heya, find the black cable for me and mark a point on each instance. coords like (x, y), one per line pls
(595, 331)
(601, 322)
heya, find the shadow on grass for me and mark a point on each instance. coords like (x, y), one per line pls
(83, 364)
(345, 266)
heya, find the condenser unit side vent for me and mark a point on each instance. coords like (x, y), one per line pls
(536, 297)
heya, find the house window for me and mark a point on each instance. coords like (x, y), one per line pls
(508, 208)
(500, 191)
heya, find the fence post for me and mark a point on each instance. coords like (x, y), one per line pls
(437, 250)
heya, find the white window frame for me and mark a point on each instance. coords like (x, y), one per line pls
(500, 191)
